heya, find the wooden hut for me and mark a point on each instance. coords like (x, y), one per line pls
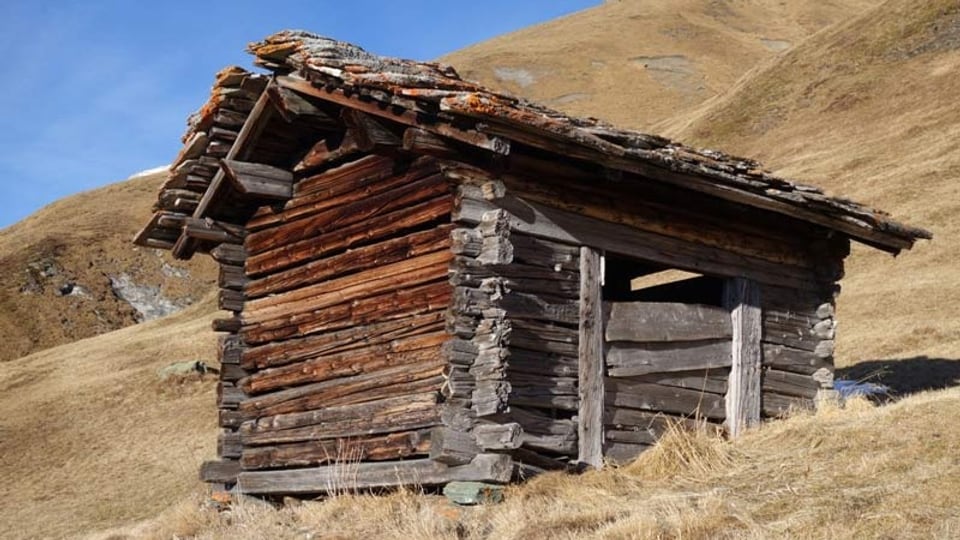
(434, 282)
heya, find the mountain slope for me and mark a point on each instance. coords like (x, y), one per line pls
(91, 436)
(637, 62)
(867, 110)
(70, 270)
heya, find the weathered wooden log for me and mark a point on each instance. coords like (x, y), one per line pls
(338, 187)
(362, 232)
(383, 416)
(630, 359)
(231, 277)
(665, 322)
(420, 269)
(498, 436)
(230, 300)
(490, 397)
(777, 405)
(654, 397)
(327, 151)
(382, 384)
(393, 305)
(790, 384)
(285, 352)
(713, 381)
(232, 419)
(794, 360)
(223, 471)
(544, 398)
(542, 462)
(452, 447)
(232, 373)
(229, 350)
(355, 260)
(333, 478)
(371, 134)
(229, 444)
(231, 325)
(536, 362)
(213, 231)
(355, 450)
(656, 423)
(422, 142)
(342, 216)
(409, 117)
(407, 351)
(229, 254)
(257, 180)
(292, 106)
(228, 395)
(622, 453)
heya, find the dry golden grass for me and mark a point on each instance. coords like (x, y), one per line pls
(868, 110)
(91, 437)
(859, 472)
(86, 238)
(639, 62)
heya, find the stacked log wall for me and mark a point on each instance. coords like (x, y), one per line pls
(796, 266)
(515, 316)
(343, 319)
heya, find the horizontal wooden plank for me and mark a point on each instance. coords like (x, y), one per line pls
(626, 359)
(665, 321)
(794, 360)
(221, 471)
(361, 449)
(654, 397)
(336, 478)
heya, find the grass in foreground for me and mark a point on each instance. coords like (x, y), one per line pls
(859, 472)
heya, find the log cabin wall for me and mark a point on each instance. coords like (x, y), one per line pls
(794, 265)
(343, 319)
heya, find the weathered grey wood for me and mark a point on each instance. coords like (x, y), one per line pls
(229, 444)
(498, 436)
(591, 390)
(452, 447)
(495, 468)
(621, 453)
(714, 381)
(665, 321)
(778, 405)
(795, 360)
(790, 384)
(742, 297)
(224, 471)
(258, 180)
(657, 398)
(563, 226)
(629, 359)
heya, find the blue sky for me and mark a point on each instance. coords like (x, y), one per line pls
(95, 91)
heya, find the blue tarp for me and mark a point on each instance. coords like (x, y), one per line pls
(849, 389)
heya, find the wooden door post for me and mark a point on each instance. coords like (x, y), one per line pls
(742, 297)
(590, 430)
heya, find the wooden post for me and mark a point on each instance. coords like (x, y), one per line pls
(591, 360)
(742, 297)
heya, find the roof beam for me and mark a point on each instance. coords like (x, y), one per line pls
(475, 138)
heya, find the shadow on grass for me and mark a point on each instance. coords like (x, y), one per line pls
(907, 375)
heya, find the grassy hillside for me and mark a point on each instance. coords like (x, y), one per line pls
(638, 62)
(868, 110)
(864, 108)
(91, 437)
(861, 472)
(56, 268)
